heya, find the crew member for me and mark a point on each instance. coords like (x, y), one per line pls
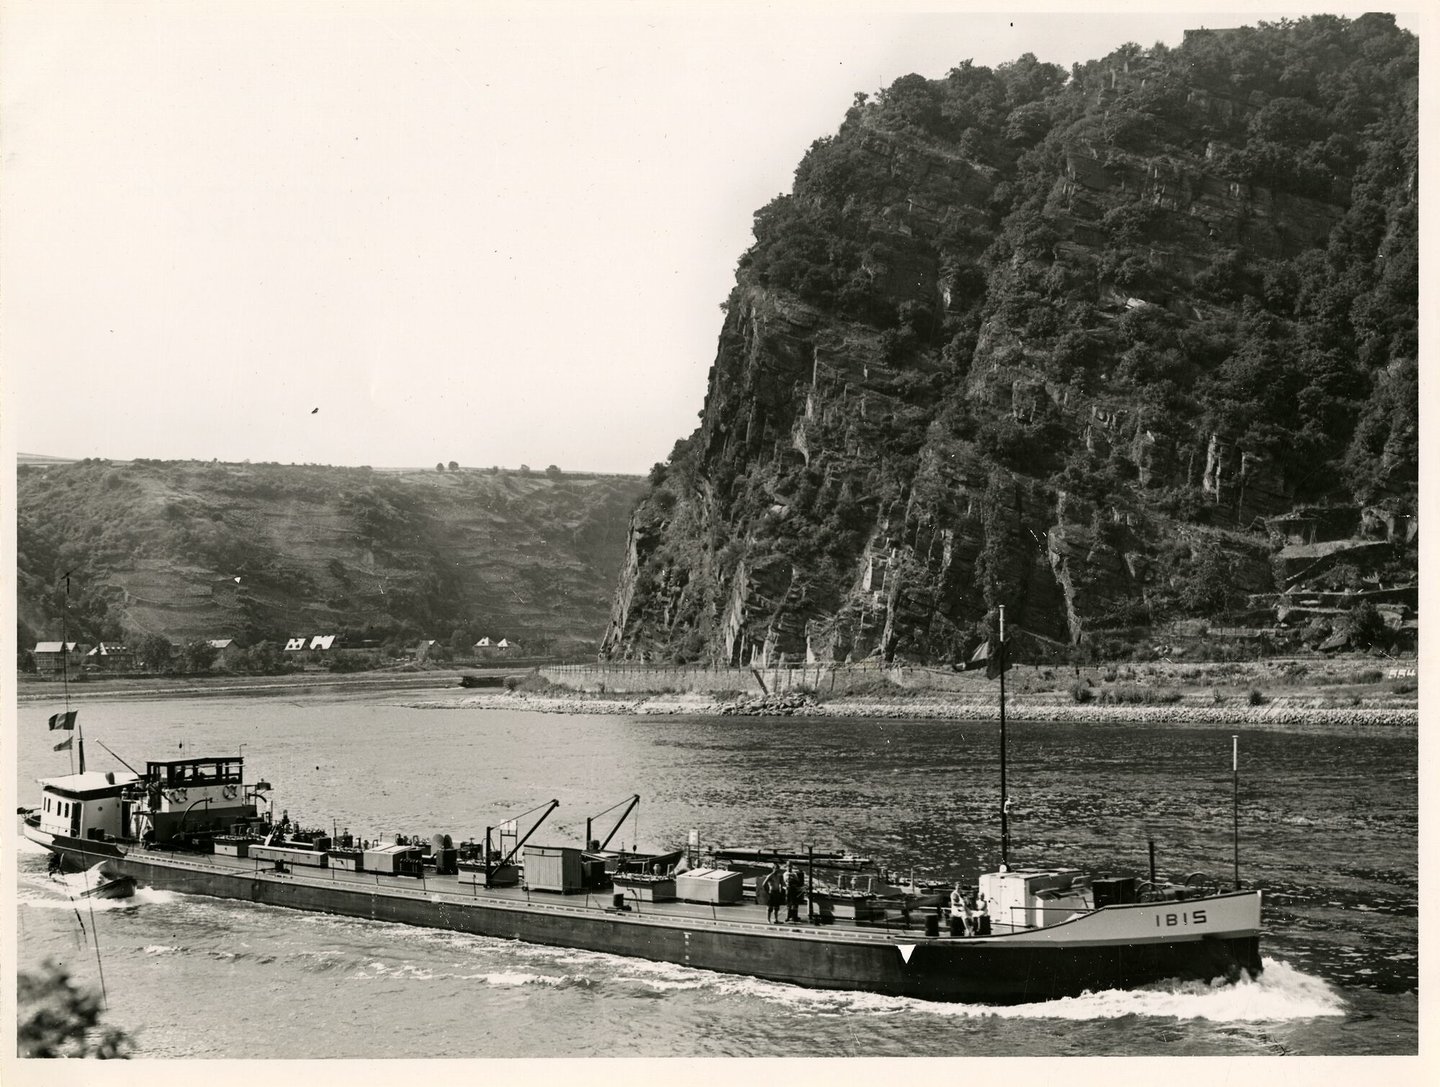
(774, 883)
(960, 919)
(794, 891)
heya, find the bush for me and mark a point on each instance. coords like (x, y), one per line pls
(1257, 697)
(59, 1019)
(1081, 692)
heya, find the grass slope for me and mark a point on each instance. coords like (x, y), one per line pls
(156, 547)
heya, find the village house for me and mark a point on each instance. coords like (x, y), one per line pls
(294, 645)
(425, 648)
(322, 642)
(51, 658)
(486, 648)
(227, 652)
(110, 657)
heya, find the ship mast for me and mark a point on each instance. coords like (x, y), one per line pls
(65, 669)
(1004, 801)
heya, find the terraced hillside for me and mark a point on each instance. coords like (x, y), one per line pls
(265, 551)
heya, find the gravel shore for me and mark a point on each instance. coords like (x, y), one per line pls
(1280, 711)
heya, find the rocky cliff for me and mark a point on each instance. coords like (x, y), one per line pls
(1061, 341)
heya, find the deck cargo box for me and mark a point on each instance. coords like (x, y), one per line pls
(351, 860)
(1013, 898)
(553, 868)
(392, 859)
(710, 885)
(646, 888)
(233, 847)
(305, 857)
(1115, 890)
(501, 875)
(848, 906)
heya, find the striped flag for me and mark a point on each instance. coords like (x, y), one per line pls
(65, 744)
(64, 720)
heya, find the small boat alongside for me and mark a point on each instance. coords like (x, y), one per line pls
(118, 887)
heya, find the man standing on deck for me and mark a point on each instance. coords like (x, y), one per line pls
(774, 892)
(794, 891)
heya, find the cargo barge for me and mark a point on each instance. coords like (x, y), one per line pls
(196, 826)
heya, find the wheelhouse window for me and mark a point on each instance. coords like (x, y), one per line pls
(191, 772)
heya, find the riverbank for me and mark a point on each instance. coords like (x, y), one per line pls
(1340, 694)
(33, 690)
(1281, 711)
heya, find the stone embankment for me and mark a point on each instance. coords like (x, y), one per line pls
(1281, 711)
(775, 705)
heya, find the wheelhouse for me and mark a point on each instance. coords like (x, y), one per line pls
(194, 797)
(90, 805)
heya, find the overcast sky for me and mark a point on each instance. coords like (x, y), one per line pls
(460, 231)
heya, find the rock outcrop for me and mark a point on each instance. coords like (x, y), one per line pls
(1057, 343)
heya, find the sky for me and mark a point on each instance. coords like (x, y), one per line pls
(395, 234)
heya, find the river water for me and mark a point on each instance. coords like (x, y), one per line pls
(1328, 831)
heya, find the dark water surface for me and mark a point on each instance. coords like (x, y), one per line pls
(1328, 823)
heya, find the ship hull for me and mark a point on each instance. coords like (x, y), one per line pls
(1117, 947)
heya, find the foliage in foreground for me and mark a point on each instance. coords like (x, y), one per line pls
(57, 1018)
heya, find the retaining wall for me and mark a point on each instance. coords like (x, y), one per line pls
(822, 678)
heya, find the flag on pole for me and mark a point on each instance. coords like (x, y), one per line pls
(64, 720)
(65, 744)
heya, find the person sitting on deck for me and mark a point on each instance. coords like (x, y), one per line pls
(982, 918)
(960, 911)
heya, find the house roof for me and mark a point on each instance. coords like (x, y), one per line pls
(54, 647)
(484, 641)
(220, 643)
(294, 643)
(105, 649)
(90, 781)
(322, 641)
